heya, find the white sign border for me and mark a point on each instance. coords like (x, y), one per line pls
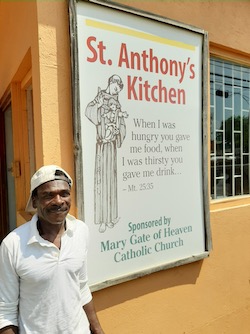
(77, 132)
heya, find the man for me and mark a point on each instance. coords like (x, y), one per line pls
(43, 275)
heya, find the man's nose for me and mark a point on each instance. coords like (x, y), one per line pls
(58, 199)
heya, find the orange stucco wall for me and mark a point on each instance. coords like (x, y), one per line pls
(206, 297)
(41, 28)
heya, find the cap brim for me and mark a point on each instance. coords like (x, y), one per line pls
(29, 206)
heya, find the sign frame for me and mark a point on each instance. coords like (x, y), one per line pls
(77, 132)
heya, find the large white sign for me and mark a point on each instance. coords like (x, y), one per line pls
(140, 84)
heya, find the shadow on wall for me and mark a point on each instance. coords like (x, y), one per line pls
(182, 275)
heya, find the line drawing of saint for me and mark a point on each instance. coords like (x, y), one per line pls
(106, 114)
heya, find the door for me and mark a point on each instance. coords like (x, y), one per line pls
(7, 187)
(4, 225)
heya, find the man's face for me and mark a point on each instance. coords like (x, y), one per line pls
(114, 88)
(53, 201)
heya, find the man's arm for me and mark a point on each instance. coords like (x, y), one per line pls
(9, 330)
(9, 292)
(95, 326)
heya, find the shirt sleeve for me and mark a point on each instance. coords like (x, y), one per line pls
(9, 289)
(86, 295)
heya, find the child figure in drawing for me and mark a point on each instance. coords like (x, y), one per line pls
(105, 112)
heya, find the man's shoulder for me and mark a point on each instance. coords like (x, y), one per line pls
(19, 233)
(77, 223)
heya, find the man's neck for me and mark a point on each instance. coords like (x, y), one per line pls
(48, 229)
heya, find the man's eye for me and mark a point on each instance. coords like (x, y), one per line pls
(65, 194)
(48, 196)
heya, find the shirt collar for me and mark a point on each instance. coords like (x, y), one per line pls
(35, 236)
(70, 225)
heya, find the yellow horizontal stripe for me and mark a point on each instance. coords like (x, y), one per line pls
(138, 34)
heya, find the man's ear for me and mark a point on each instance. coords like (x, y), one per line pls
(34, 202)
